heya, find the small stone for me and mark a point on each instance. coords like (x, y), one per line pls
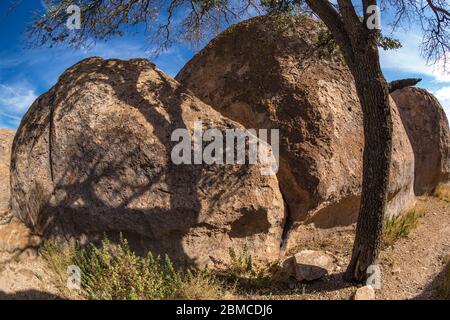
(312, 265)
(288, 266)
(365, 293)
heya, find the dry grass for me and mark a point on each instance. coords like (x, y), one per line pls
(442, 192)
(204, 286)
(401, 226)
(116, 273)
(58, 260)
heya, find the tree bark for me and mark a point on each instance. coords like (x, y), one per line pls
(359, 46)
(373, 92)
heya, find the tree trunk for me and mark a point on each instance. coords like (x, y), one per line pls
(373, 92)
(359, 46)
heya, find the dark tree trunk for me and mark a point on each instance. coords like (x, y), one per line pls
(373, 92)
(359, 46)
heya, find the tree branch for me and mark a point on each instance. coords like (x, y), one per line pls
(327, 13)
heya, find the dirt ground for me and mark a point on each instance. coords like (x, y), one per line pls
(410, 268)
(27, 277)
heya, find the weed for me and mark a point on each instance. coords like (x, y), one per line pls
(401, 226)
(114, 272)
(248, 275)
(442, 192)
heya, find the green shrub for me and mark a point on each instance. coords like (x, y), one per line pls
(114, 272)
(401, 226)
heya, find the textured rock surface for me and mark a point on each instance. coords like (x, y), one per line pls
(264, 76)
(14, 236)
(427, 127)
(92, 157)
(6, 139)
(365, 293)
(312, 265)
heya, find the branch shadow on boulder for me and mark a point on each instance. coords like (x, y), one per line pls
(70, 213)
(101, 163)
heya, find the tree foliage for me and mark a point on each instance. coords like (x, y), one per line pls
(169, 21)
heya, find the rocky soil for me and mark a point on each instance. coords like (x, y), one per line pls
(410, 268)
(27, 276)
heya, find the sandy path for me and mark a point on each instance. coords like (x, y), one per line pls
(414, 263)
(410, 268)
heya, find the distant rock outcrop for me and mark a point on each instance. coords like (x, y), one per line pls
(427, 127)
(14, 236)
(6, 139)
(266, 76)
(92, 157)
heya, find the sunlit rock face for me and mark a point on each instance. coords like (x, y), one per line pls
(427, 127)
(6, 139)
(92, 157)
(267, 73)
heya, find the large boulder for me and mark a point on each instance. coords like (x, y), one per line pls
(267, 73)
(6, 139)
(427, 127)
(92, 157)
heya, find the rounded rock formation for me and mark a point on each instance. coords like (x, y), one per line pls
(266, 74)
(92, 157)
(427, 127)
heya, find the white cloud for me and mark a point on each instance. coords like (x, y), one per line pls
(15, 100)
(408, 59)
(8, 62)
(443, 95)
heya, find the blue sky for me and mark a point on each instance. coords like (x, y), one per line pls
(27, 73)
